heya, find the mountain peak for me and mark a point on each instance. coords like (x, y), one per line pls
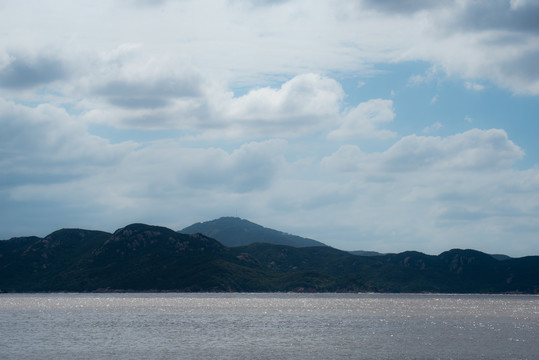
(141, 228)
(235, 231)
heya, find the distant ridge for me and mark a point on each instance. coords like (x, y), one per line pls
(234, 231)
(500, 257)
(365, 253)
(142, 258)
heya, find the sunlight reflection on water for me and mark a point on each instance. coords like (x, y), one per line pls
(268, 326)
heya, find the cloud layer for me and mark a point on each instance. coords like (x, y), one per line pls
(494, 41)
(167, 112)
(457, 187)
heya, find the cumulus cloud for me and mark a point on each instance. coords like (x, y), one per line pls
(451, 184)
(473, 150)
(47, 142)
(22, 72)
(454, 187)
(522, 70)
(404, 6)
(48, 157)
(48, 169)
(363, 121)
(251, 167)
(47, 134)
(474, 40)
(495, 42)
(304, 95)
(498, 15)
(302, 104)
(347, 159)
(148, 93)
(142, 83)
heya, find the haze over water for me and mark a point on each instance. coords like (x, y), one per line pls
(268, 326)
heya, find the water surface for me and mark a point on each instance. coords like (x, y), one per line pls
(268, 326)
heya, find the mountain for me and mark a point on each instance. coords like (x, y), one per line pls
(137, 257)
(142, 257)
(365, 253)
(500, 256)
(233, 231)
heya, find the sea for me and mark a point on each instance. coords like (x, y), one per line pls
(268, 326)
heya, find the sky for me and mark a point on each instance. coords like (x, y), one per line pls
(368, 125)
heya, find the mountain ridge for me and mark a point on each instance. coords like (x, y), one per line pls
(234, 231)
(140, 257)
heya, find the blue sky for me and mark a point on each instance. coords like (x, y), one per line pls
(374, 125)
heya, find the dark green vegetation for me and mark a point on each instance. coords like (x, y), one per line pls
(149, 258)
(233, 231)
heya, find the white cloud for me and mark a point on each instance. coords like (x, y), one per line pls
(468, 39)
(363, 121)
(252, 167)
(474, 86)
(46, 154)
(33, 139)
(405, 6)
(173, 65)
(303, 104)
(347, 159)
(433, 128)
(21, 72)
(473, 150)
(454, 187)
(155, 92)
(157, 181)
(422, 193)
(430, 75)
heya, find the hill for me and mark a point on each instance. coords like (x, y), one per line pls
(233, 231)
(365, 253)
(142, 257)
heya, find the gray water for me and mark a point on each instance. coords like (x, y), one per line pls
(268, 326)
